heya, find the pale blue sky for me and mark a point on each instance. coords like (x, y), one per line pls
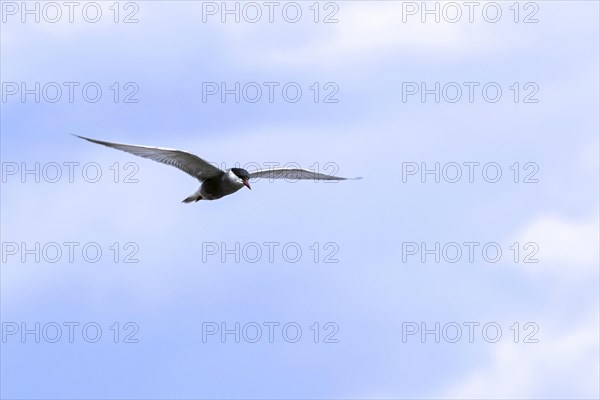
(370, 132)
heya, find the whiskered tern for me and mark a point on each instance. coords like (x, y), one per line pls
(215, 183)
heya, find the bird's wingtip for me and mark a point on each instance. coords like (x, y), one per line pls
(89, 139)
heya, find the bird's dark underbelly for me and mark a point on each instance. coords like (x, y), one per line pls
(214, 188)
(211, 189)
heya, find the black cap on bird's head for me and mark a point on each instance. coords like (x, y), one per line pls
(243, 175)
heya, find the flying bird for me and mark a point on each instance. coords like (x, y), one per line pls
(215, 183)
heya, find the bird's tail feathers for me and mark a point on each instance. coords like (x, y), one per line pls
(195, 197)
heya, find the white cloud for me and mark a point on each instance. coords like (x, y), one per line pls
(561, 365)
(567, 248)
(564, 364)
(375, 31)
(366, 31)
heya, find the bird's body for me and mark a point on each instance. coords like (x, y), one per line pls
(217, 187)
(215, 183)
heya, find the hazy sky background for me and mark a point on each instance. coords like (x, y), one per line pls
(376, 291)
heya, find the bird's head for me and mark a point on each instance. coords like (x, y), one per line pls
(243, 175)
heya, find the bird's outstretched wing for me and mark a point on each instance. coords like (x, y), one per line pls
(293, 174)
(187, 162)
